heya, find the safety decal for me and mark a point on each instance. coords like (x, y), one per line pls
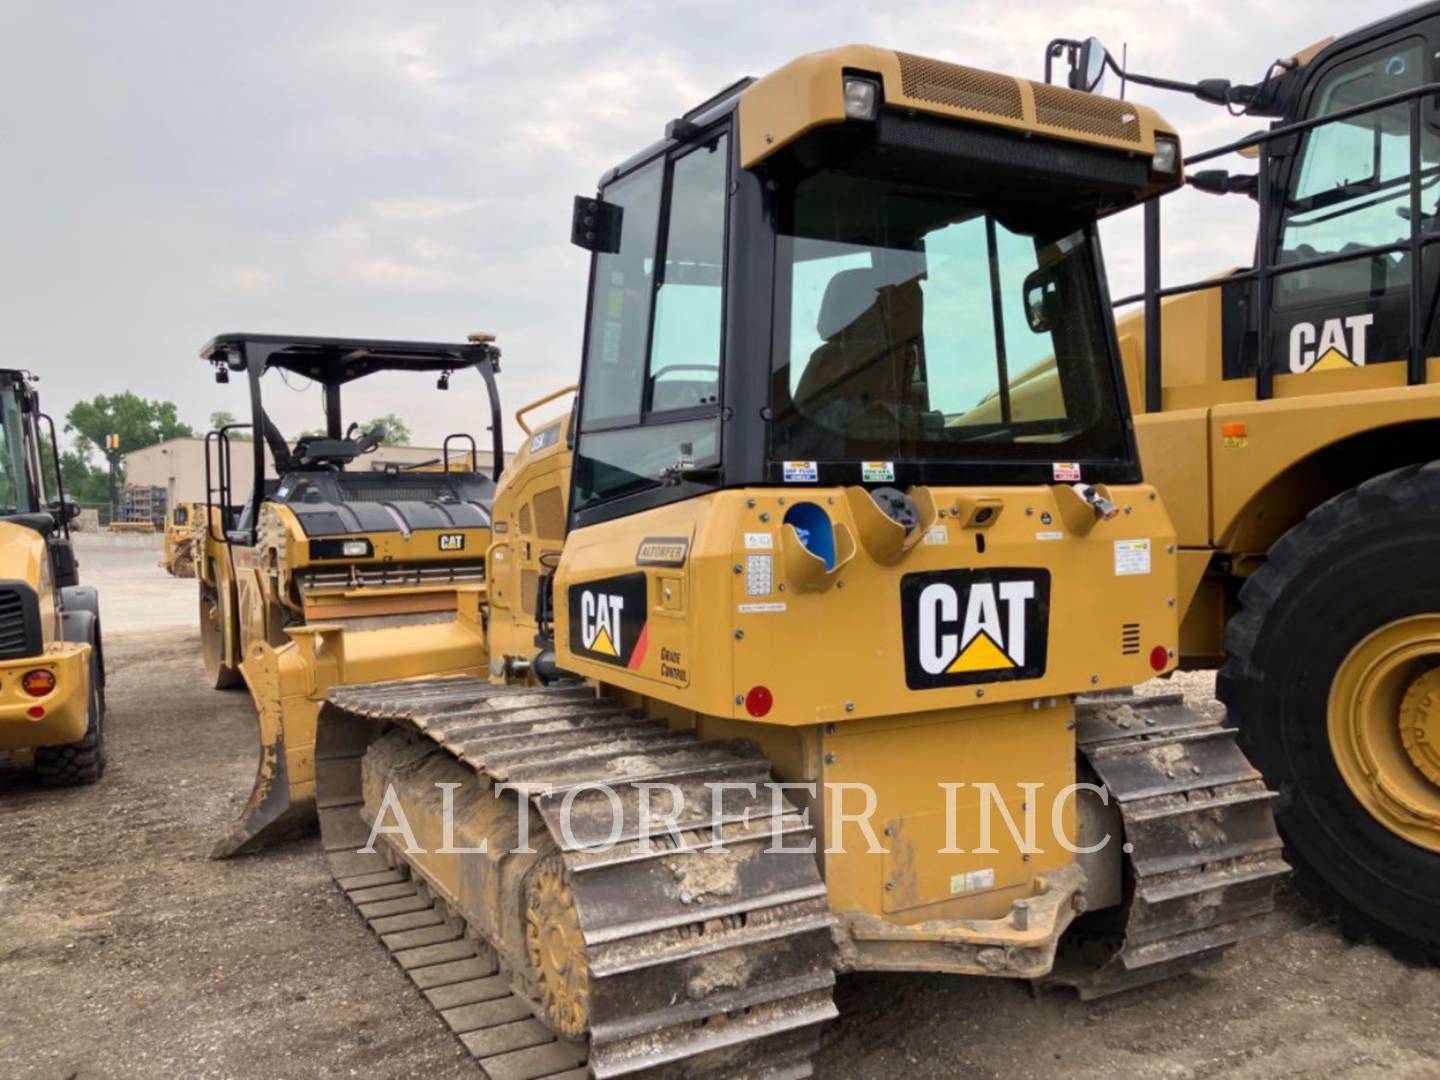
(1065, 472)
(1132, 557)
(1333, 345)
(974, 626)
(608, 620)
(663, 551)
(877, 472)
(937, 534)
(545, 438)
(801, 472)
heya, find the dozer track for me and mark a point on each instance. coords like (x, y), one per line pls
(692, 963)
(1202, 854)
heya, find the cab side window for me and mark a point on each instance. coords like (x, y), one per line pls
(651, 395)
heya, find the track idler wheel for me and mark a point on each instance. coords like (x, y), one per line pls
(556, 949)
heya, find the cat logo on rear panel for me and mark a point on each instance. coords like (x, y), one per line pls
(608, 620)
(974, 626)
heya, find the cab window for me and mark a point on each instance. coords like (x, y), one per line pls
(652, 378)
(1351, 188)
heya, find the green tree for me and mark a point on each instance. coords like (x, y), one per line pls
(85, 484)
(139, 423)
(221, 418)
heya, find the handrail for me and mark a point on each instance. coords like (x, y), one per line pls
(1261, 138)
(59, 476)
(220, 438)
(572, 389)
(1264, 272)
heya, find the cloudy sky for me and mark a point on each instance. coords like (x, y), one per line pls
(172, 170)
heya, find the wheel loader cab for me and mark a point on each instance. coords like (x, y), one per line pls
(51, 666)
(328, 543)
(1287, 413)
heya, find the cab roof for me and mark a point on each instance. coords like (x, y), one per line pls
(334, 360)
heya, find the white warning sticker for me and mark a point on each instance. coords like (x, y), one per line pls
(973, 881)
(1132, 557)
(761, 541)
(1065, 472)
(937, 534)
(801, 472)
(1049, 534)
(759, 575)
(747, 609)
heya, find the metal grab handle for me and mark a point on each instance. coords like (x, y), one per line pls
(572, 389)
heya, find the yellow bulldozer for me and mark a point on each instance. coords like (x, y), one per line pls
(331, 544)
(52, 668)
(184, 533)
(1288, 414)
(788, 656)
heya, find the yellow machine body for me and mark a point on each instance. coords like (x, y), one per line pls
(63, 711)
(1289, 423)
(407, 610)
(184, 528)
(901, 645)
(733, 605)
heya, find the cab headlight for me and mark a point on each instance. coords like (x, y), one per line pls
(1167, 157)
(861, 98)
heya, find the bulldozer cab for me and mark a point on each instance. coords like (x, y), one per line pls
(317, 475)
(834, 305)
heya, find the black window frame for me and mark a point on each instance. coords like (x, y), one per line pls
(661, 493)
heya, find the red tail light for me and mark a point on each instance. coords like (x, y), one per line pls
(38, 683)
(759, 700)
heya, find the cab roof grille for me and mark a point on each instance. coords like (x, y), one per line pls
(959, 87)
(1061, 107)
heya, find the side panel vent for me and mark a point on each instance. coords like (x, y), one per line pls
(959, 87)
(1130, 639)
(20, 633)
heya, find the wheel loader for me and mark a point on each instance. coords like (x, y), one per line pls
(393, 556)
(1288, 414)
(777, 623)
(52, 668)
(184, 528)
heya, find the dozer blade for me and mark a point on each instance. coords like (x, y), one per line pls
(282, 802)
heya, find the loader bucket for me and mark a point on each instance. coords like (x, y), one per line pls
(282, 802)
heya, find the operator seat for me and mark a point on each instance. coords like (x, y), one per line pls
(865, 373)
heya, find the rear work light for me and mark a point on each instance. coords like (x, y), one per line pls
(861, 98)
(38, 683)
(1167, 156)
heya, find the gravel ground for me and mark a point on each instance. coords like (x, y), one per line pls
(125, 952)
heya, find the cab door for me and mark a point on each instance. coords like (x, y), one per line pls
(1345, 186)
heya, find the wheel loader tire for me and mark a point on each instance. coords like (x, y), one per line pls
(82, 762)
(220, 675)
(1355, 573)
